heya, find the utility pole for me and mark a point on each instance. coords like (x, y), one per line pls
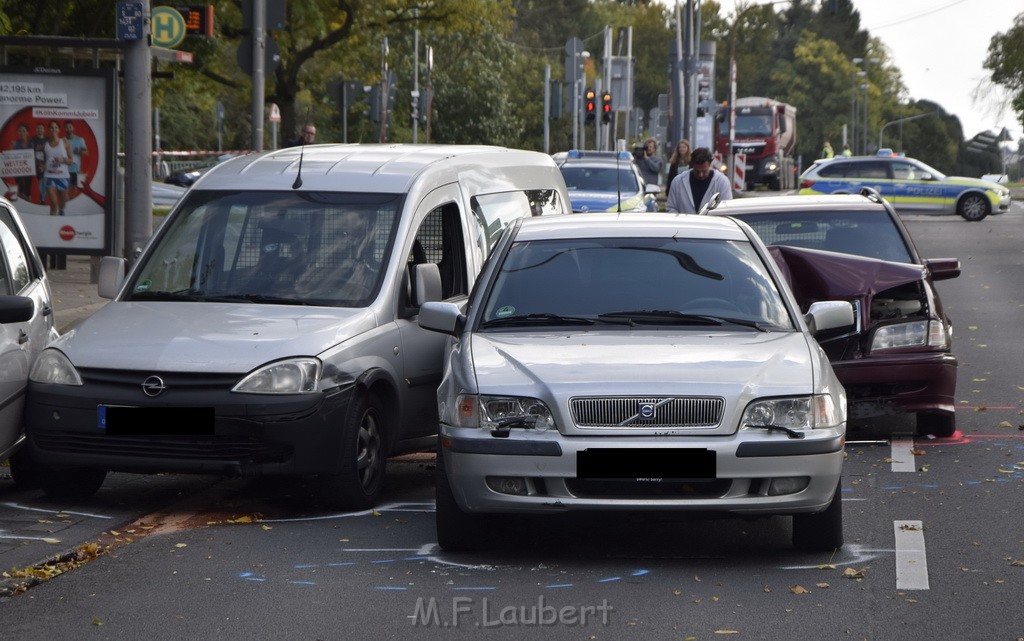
(259, 36)
(138, 143)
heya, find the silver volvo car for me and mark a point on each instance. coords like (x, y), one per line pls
(637, 362)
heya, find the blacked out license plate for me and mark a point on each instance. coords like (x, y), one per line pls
(120, 420)
(653, 465)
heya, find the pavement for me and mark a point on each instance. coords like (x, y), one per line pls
(74, 288)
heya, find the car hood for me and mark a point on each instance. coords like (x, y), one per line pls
(815, 274)
(207, 337)
(975, 182)
(643, 362)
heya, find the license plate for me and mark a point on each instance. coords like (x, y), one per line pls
(652, 465)
(120, 420)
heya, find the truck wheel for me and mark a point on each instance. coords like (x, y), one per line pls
(71, 483)
(457, 531)
(973, 207)
(821, 531)
(776, 185)
(360, 482)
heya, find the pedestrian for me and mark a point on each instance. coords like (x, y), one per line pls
(651, 162)
(678, 162)
(39, 148)
(826, 150)
(695, 187)
(24, 183)
(58, 158)
(307, 136)
(846, 150)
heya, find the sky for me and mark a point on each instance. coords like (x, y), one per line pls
(939, 46)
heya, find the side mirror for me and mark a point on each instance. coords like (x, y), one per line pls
(16, 309)
(943, 268)
(445, 318)
(112, 270)
(426, 283)
(829, 314)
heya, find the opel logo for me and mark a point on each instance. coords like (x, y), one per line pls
(153, 386)
(647, 410)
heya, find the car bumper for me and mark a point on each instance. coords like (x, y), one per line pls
(879, 386)
(746, 465)
(250, 434)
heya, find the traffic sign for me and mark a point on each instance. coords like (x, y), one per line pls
(168, 27)
(275, 113)
(130, 25)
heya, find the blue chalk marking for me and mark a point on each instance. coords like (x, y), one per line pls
(304, 566)
(302, 582)
(384, 561)
(640, 572)
(560, 585)
(340, 564)
(610, 579)
(388, 587)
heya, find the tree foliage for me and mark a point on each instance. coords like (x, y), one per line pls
(1005, 60)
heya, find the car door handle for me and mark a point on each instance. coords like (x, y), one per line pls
(47, 310)
(22, 337)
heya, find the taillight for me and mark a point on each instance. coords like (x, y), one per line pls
(806, 184)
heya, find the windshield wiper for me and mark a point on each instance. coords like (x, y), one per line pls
(255, 298)
(545, 318)
(661, 316)
(184, 294)
(779, 428)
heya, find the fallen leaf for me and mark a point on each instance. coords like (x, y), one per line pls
(96, 621)
(799, 589)
(241, 519)
(823, 585)
(181, 545)
(48, 540)
(1005, 424)
(826, 566)
(115, 533)
(850, 573)
(766, 589)
(979, 380)
(911, 528)
(266, 527)
(917, 452)
(376, 513)
(1017, 563)
(727, 631)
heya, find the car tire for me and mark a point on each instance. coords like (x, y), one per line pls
(24, 472)
(973, 207)
(70, 483)
(939, 425)
(457, 531)
(360, 482)
(821, 531)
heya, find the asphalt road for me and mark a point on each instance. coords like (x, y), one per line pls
(934, 546)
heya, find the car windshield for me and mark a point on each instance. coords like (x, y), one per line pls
(626, 282)
(610, 178)
(749, 125)
(304, 248)
(870, 234)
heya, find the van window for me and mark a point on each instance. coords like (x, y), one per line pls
(17, 258)
(268, 247)
(439, 240)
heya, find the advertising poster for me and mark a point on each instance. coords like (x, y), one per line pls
(57, 155)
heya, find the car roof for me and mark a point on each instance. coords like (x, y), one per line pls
(802, 204)
(361, 167)
(632, 225)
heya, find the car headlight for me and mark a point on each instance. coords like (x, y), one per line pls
(771, 166)
(501, 412)
(796, 413)
(291, 376)
(53, 367)
(930, 333)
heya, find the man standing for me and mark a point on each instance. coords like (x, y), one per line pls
(650, 163)
(693, 189)
(78, 149)
(306, 137)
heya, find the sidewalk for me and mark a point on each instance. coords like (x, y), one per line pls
(74, 295)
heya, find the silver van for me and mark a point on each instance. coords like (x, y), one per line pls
(270, 325)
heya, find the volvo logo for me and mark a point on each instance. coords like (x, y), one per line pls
(647, 410)
(153, 386)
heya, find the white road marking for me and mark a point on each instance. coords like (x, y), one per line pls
(390, 507)
(36, 509)
(911, 563)
(903, 455)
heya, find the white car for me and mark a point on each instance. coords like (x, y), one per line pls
(26, 326)
(640, 362)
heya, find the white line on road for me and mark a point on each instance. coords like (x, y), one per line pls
(911, 563)
(903, 455)
(36, 509)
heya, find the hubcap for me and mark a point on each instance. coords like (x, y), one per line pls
(368, 451)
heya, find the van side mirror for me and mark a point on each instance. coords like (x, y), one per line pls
(426, 283)
(112, 270)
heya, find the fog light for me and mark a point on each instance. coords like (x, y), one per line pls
(788, 485)
(514, 485)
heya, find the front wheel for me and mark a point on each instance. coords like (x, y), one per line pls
(940, 425)
(821, 531)
(457, 531)
(70, 483)
(973, 207)
(360, 482)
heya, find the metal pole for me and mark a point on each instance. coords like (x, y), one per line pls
(547, 110)
(259, 23)
(138, 157)
(416, 83)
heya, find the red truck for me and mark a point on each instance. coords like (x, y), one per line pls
(766, 133)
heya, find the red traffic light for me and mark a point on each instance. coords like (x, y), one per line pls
(591, 104)
(606, 107)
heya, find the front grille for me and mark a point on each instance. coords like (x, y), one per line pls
(209, 448)
(649, 411)
(591, 489)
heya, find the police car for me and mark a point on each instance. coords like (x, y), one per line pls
(910, 185)
(606, 181)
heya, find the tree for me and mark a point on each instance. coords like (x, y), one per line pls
(1006, 62)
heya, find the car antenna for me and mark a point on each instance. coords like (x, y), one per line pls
(618, 187)
(302, 152)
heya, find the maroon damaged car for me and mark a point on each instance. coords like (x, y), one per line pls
(897, 358)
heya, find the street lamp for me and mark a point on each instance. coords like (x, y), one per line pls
(867, 82)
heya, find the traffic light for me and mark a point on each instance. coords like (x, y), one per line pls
(590, 105)
(606, 107)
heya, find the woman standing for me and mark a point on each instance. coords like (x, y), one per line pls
(679, 162)
(56, 176)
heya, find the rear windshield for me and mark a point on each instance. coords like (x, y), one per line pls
(312, 248)
(870, 234)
